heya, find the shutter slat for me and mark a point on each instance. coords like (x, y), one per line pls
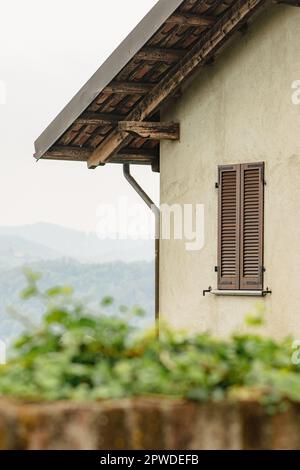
(251, 244)
(229, 221)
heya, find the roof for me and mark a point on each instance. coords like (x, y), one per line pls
(170, 44)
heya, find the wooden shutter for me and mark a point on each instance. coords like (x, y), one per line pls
(252, 215)
(229, 227)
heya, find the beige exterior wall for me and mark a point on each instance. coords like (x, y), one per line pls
(238, 111)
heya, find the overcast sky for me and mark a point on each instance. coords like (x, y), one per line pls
(48, 50)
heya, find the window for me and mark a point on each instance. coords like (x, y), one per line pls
(240, 227)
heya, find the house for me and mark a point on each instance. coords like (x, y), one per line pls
(205, 92)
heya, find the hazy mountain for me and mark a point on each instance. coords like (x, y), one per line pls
(128, 283)
(67, 242)
(68, 257)
(15, 251)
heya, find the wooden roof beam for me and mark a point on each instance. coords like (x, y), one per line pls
(132, 160)
(78, 154)
(136, 156)
(134, 152)
(197, 56)
(68, 153)
(189, 19)
(98, 119)
(293, 3)
(128, 88)
(157, 54)
(151, 130)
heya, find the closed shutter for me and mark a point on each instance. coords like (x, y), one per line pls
(252, 215)
(229, 227)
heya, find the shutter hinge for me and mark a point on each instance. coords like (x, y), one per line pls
(262, 271)
(217, 185)
(216, 269)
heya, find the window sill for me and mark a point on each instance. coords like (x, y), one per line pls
(238, 293)
(243, 293)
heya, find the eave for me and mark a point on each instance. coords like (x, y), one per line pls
(115, 118)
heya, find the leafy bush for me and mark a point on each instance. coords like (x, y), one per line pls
(81, 354)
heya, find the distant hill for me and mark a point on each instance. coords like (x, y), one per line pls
(71, 243)
(15, 251)
(128, 283)
(123, 269)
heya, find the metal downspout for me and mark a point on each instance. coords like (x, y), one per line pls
(156, 212)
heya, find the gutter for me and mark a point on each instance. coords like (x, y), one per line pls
(156, 211)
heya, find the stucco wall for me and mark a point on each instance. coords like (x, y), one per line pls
(238, 111)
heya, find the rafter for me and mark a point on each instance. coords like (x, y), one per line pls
(128, 88)
(137, 156)
(98, 119)
(293, 3)
(151, 130)
(145, 152)
(156, 165)
(156, 54)
(189, 19)
(132, 160)
(232, 20)
(68, 153)
(140, 156)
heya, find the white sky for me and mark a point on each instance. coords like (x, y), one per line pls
(48, 50)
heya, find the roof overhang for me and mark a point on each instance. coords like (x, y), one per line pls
(106, 72)
(114, 118)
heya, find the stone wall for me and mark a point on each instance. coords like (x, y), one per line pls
(145, 424)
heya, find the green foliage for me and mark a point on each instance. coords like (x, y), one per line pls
(107, 301)
(85, 355)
